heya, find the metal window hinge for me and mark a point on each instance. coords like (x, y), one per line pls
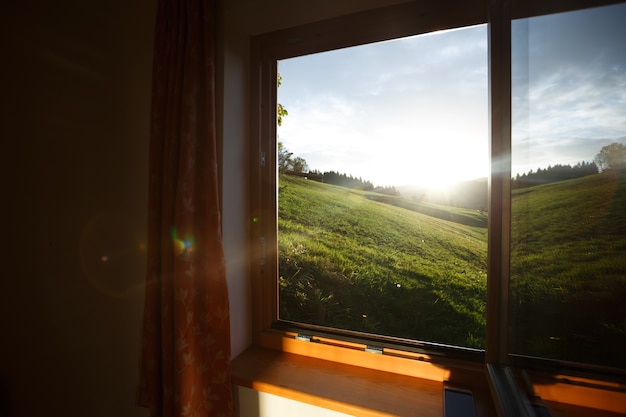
(374, 349)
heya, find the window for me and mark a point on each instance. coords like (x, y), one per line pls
(525, 303)
(382, 221)
(568, 242)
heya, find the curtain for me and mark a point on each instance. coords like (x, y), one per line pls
(185, 350)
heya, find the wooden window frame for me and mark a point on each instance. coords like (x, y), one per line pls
(371, 26)
(366, 27)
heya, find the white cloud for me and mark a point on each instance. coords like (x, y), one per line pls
(569, 87)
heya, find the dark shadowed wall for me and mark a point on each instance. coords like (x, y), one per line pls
(74, 120)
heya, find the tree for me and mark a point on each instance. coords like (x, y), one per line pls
(281, 111)
(284, 158)
(286, 161)
(299, 164)
(612, 157)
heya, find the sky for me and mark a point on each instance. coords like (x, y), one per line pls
(569, 86)
(414, 111)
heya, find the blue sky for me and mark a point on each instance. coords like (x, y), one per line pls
(569, 79)
(415, 110)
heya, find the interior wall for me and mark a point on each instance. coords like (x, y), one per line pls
(239, 21)
(259, 404)
(233, 130)
(74, 122)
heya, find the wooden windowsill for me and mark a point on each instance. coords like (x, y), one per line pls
(363, 391)
(351, 389)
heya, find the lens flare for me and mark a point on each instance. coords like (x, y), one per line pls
(110, 257)
(181, 246)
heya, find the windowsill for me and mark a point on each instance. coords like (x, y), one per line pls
(363, 391)
(352, 389)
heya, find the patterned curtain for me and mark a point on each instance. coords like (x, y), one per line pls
(185, 352)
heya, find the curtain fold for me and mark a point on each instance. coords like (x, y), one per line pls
(185, 351)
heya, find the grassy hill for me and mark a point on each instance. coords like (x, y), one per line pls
(364, 261)
(568, 268)
(391, 267)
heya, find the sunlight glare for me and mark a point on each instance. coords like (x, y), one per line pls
(425, 127)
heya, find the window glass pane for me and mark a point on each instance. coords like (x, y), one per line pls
(382, 191)
(568, 247)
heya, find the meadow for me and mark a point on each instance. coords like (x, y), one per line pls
(363, 261)
(358, 260)
(568, 270)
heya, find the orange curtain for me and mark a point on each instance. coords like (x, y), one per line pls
(185, 352)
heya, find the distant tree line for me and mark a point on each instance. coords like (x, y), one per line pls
(295, 165)
(345, 180)
(610, 158)
(388, 190)
(554, 173)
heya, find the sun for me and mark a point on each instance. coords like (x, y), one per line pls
(434, 166)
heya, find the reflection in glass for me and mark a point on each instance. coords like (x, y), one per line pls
(382, 192)
(568, 247)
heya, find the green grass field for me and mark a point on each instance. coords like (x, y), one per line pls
(568, 268)
(349, 261)
(363, 261)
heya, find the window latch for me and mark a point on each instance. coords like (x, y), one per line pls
(304, 337)
(377, 350)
